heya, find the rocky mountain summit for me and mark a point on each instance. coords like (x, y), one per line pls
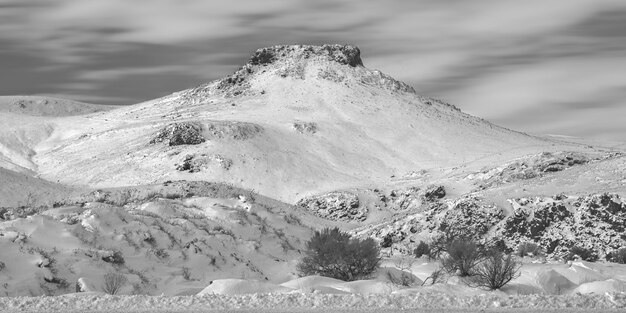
(294, 121)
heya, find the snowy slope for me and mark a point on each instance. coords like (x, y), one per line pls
(162, 243)
(293, 121)
(47, 106)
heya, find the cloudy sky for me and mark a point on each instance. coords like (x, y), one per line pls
(541, 66)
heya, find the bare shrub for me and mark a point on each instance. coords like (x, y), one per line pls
(496, 270)
(462, 257)
(437, 276)
(115, 258)
(618, 256)
(421, 250)
(113, 282)
(292, 219)
(584, 254)
(2, 265)
(406, 277)
(333, 253)
(186, 273)
(528, 249)
(387, 241)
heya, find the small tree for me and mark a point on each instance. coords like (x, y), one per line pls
(421, 250)
(436, 276)
(528, 249)
(463, 256)
(406, 277)
(113, 282)
(387, 241)
(333, 253)
(618, 256)
(585, 254)
(496, 270)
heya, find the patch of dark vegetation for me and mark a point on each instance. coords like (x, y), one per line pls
(115, 257)
(585, 254)
(333, 253)
(183, 133)
(422, 249)
(618, 256)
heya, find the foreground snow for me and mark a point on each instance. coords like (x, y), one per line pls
(322, 293)
(299, 299)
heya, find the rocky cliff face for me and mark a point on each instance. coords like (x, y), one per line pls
(557, 224)
(595, 222)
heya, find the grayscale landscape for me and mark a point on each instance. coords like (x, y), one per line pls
(449, 176)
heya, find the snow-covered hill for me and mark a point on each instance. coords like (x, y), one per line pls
(227, 180)
(173, 239)
(293, 121)
(47, 106)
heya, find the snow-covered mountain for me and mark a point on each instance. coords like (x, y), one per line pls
(293, 121)
(228, 179)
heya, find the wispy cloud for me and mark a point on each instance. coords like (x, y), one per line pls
(525, 64)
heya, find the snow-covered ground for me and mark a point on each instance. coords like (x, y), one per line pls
(312, 300)
(577, 285)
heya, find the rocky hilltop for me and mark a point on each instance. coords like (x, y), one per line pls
(292, 122)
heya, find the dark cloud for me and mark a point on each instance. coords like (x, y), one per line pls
(609, 24)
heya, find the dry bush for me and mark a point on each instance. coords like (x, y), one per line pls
(584, 254)
(496, 271)
(463, 255)
(406, 277)
(618, 256)
(113, 282)
(528, 249)
(437, 276)
(333, 253)
(422, 249)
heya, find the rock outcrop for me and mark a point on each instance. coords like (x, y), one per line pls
(231, 130)
(531, 167)
(183, 133)
(193, 163)
(336, 206)
(594, 222)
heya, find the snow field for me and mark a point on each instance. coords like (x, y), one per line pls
(314, 300)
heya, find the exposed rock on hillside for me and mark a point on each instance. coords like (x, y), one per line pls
(232, 130)
(195, 163)
(381, 80)
(342, 54)
(412, 198)
(594, 222)
(184, 133)
(466, 217)
(531, 167)
(305, 127)
(336, 206)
